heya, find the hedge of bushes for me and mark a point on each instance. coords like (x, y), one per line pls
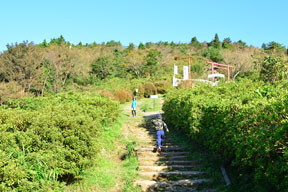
(46, 141)
(149, 89)
(245, 123)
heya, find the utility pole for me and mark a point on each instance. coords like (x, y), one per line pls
(189, 69)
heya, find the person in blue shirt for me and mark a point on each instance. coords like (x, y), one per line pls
(134, 106)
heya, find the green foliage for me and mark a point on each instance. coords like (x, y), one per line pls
(131, 47)
(216, 42)
(273, 69)
(163, 86)
(102, 67)
(213, 54)
(195, 42)
(79, 45)
(149, 89)
(108, 174)
(197, 68)
(153, 61)
(47, 140)
(245, 123)
(226, 43)
(141, 46)
(148, 45)
(11, 90)
(22, 63)
(57, 41)
(274, 47)
(172, 44)
(61, 66)
(241, 44)
(44, 44)
(122, 96)
(113, 43)
(141, 91)
(147, 105)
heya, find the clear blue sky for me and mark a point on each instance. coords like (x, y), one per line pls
(252, 21)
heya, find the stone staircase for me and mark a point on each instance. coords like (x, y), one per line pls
(170, 170)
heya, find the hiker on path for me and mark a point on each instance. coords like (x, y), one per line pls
(159, 125)
(134, 106)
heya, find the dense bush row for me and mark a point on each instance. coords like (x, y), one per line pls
(47, 140)
(245, 123)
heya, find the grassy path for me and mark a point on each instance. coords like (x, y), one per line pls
(116, 165)
(180, 167)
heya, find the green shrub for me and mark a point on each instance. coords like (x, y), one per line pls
(213, 54)
(122, 96)
(245, 123)
(141, 91)
(106, 94)
(162, 86)
(47, 140)
(273, 69)
(149, 89)
(11, 90)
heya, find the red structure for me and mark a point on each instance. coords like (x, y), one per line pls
(220, 66)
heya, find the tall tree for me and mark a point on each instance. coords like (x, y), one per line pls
(226, 43)
(102, 67)
(241, 44)
(135, 64)
(274, 47)
(141, 46)
(153, 61)
(22, 63)
(215, 42)
(62, 61)
(195, 42)
(131, 47)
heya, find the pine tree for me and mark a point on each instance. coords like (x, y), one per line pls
(131, 47)
(141, 46)
(195, 42)
(216, 43)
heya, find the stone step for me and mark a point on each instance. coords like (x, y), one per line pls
(166, 167)
(154, 174)
(151, 142)
(146, 184)
(162, 154)
(177, 188)
(144, 133)
(155, 144)
(171, 162)
(166, 139)
(144, 130)
(151, 148)
(144, 136)
(140, 133)
(177, 147)
(160, 158)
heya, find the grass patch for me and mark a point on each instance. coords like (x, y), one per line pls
(115, 165)
(147, 105)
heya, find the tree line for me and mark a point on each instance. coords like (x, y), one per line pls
(51, 67)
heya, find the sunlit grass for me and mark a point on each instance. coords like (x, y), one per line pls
(110, 172)
(147, 105)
